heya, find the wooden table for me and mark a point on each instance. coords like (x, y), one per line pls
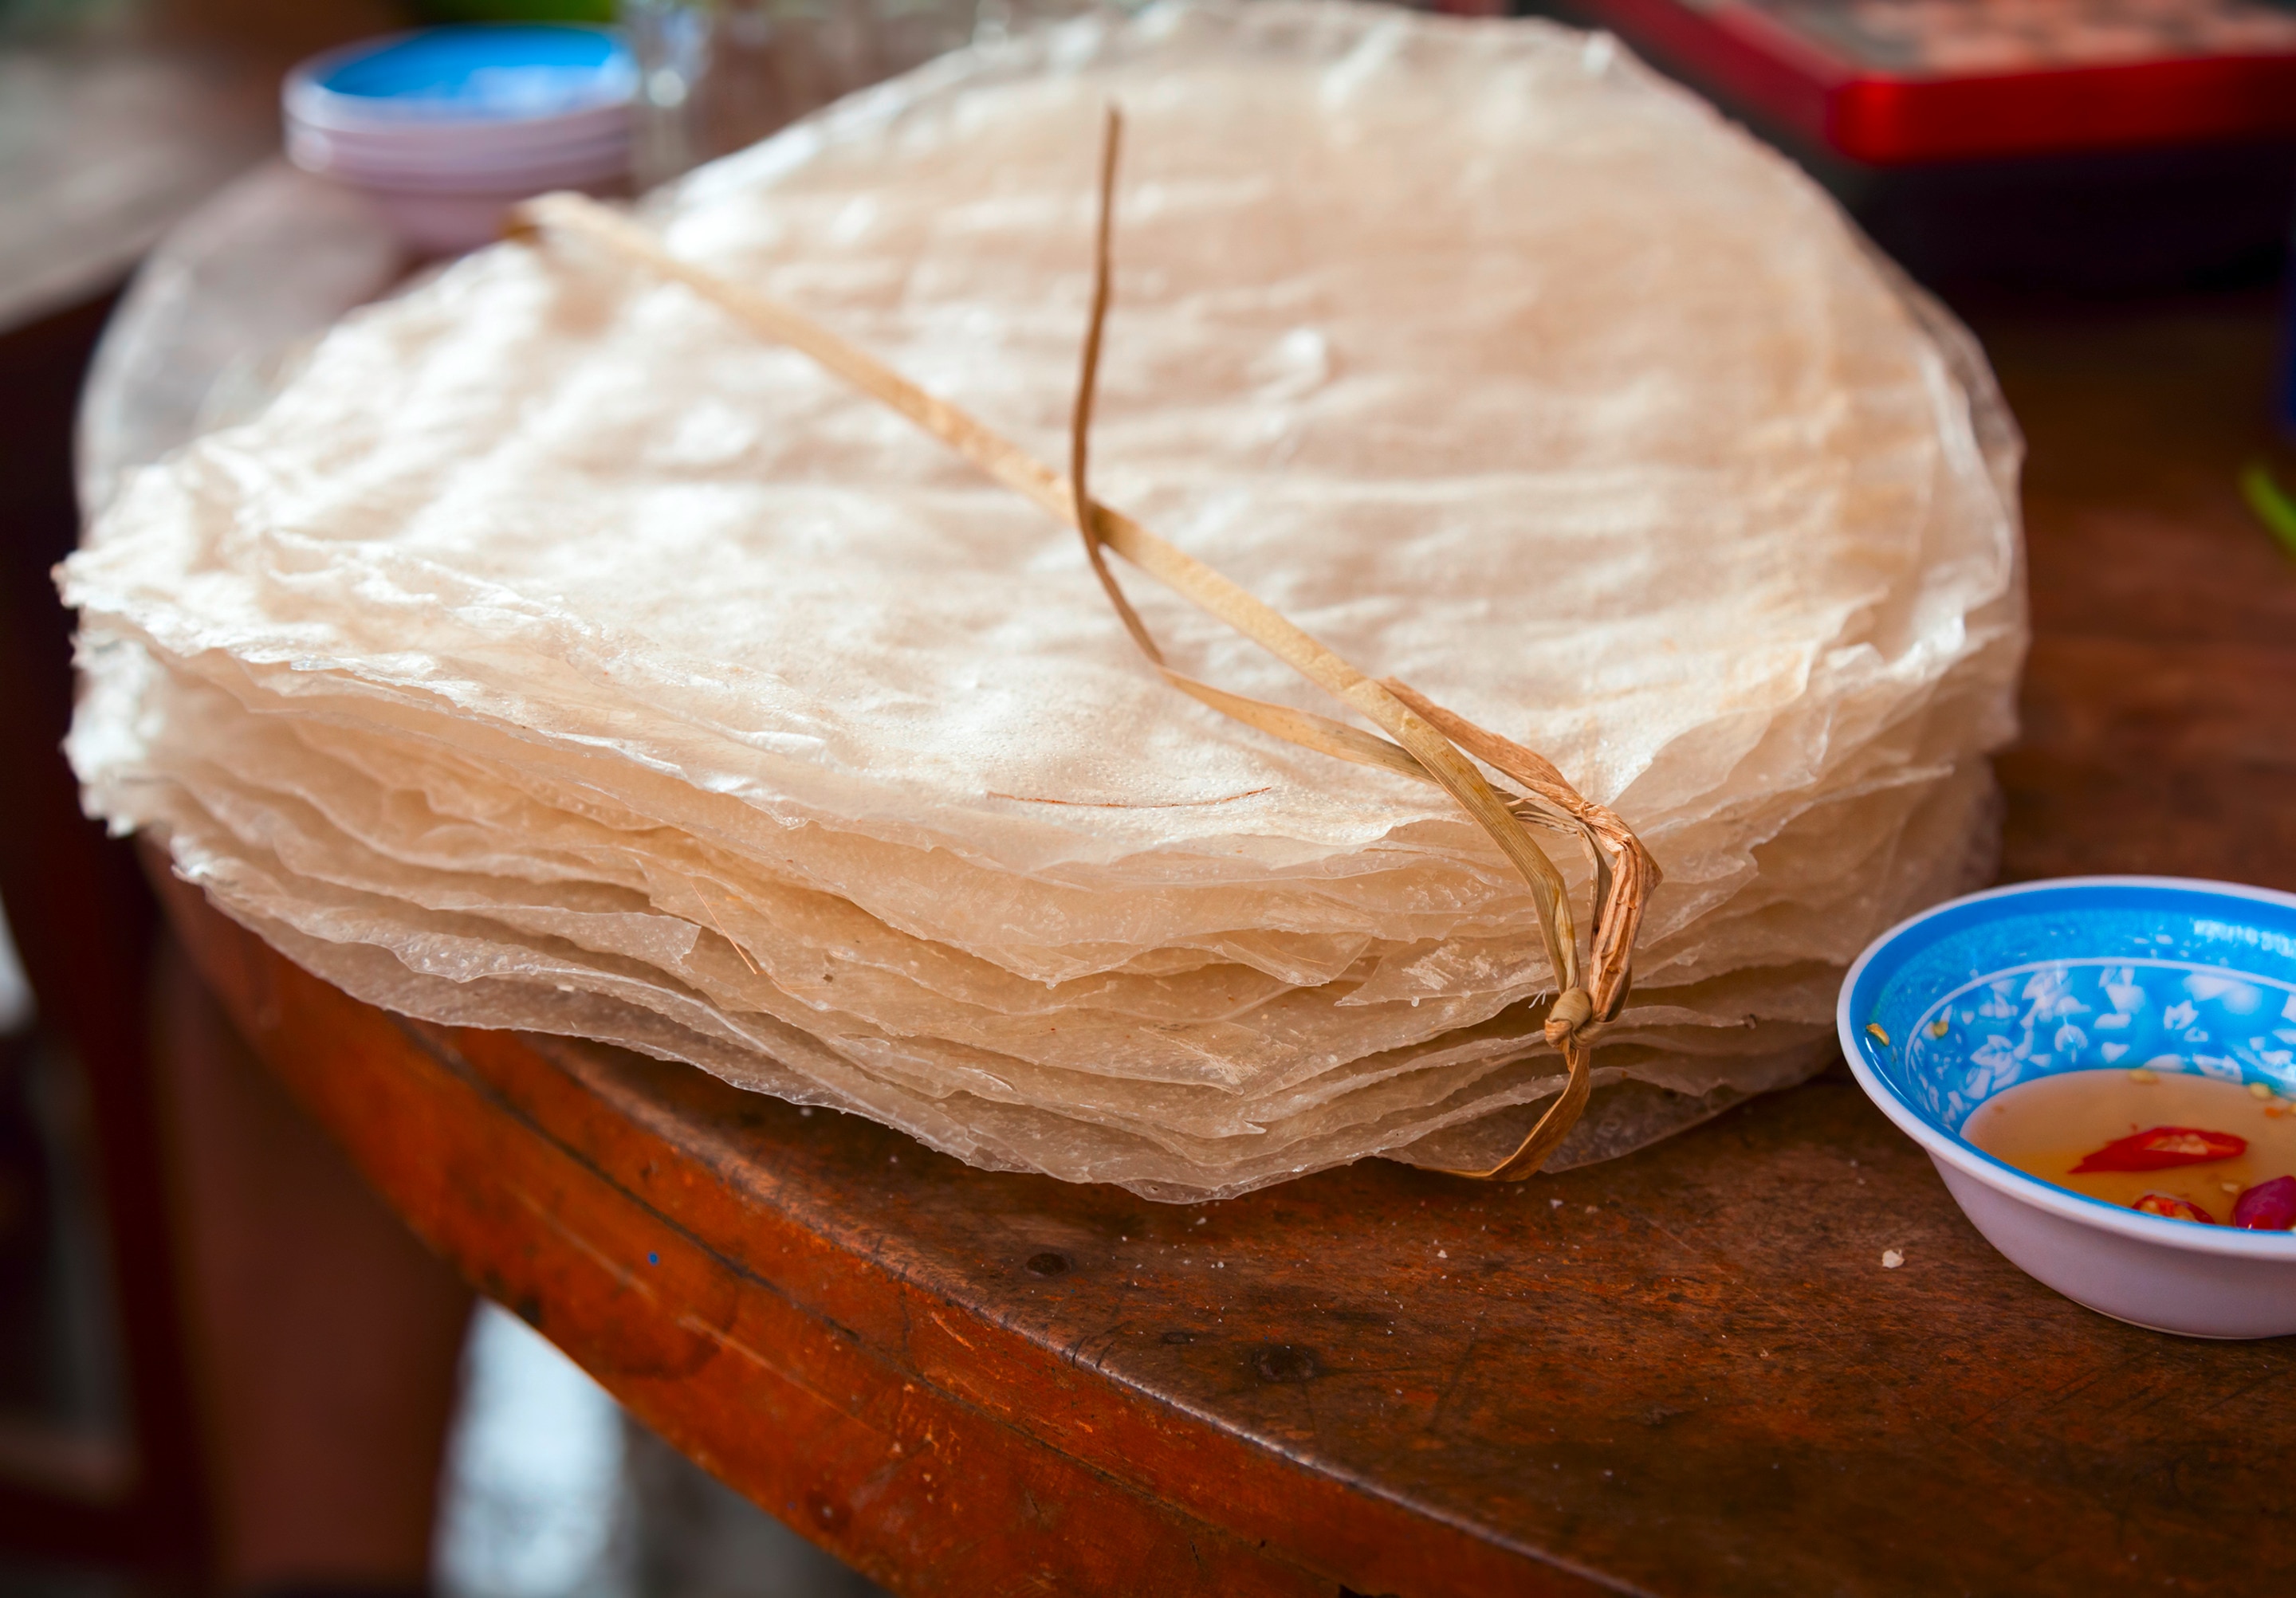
(1682, 1373)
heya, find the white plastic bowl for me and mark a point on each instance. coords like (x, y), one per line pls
(447, 128)
(2168, 1275)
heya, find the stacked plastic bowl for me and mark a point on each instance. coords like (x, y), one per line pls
(449, 127)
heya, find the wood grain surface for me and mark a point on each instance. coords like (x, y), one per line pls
(1684, 1373)
(2159, 701)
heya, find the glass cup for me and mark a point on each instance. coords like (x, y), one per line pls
(717, 74)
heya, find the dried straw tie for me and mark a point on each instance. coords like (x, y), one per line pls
(1430, 743)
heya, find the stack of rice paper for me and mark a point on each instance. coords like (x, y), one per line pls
(554, 653)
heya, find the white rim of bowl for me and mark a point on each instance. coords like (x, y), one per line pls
(1968, 1158)
(511, 141)
(594, 164)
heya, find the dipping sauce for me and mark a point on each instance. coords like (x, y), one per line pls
(2048, 1126)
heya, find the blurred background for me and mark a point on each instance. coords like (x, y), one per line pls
(223, 1366)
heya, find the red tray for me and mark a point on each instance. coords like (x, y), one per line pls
(1899, 82)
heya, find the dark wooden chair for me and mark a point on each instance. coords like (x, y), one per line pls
(85, 926)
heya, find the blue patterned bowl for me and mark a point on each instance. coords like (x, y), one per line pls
(2074, 975)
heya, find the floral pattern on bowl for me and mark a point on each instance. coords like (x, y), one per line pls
(2011, 1026)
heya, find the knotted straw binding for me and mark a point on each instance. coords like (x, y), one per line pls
(1426, 741)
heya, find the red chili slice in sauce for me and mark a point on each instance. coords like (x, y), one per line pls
(2174, 1207)
(2267, 1207)
(2157, 1148)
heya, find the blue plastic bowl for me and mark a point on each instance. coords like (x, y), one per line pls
(446, 128)
(471, 73)
(1946, 1010)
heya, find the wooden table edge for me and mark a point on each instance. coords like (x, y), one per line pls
(1257, 1521)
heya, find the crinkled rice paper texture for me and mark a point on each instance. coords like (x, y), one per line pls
(589, 665)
